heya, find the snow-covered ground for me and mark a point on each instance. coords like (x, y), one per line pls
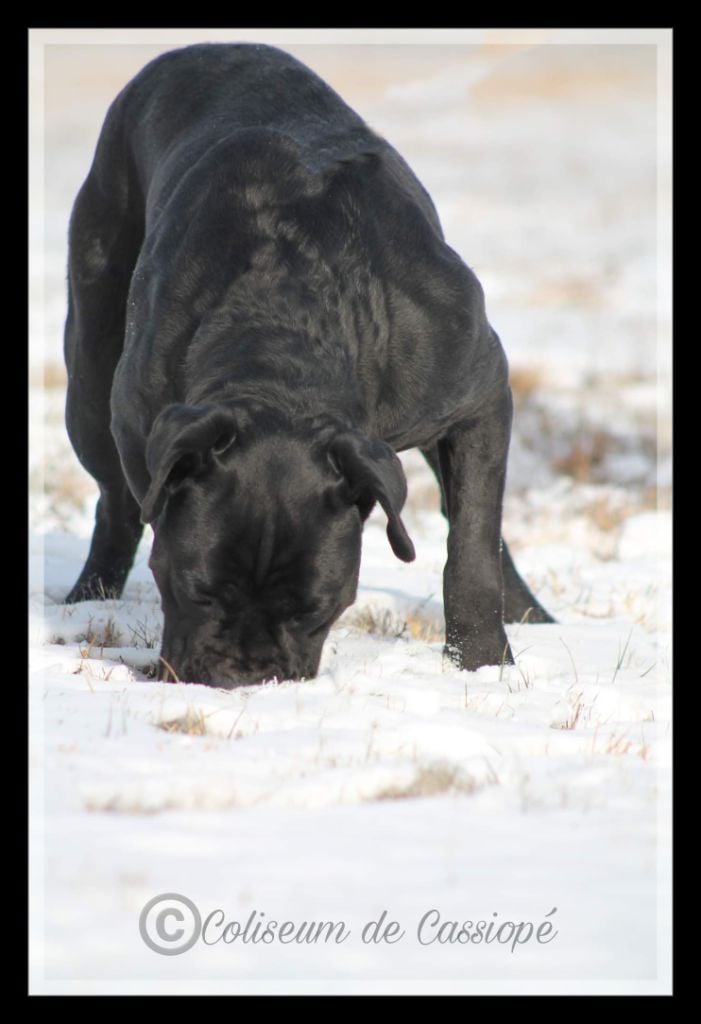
(536, 794)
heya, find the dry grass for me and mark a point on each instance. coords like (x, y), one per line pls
(575, 713)
(427, 630)
(383, 622)
(525, 381)
(192, 723)
(567, 292)
(586, 456)
(431, 780)
(378, 622)
(145, 636)
(619, 745)
(585, 444)
(50, 377)
(605, 516)
(104, 636)
(608, 514)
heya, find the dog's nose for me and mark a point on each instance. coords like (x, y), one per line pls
(243, 668)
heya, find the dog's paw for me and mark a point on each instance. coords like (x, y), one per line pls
(470, 655)
(92, 589)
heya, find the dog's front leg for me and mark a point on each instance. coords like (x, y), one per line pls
(473, 466)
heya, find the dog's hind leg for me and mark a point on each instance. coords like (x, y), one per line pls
(104, 241)
(519, 603)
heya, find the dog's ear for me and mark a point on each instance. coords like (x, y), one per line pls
(372, 472)
(181, 439)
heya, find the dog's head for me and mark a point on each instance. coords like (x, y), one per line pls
(257, 538)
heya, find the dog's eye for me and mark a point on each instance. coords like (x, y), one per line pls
(223, 443)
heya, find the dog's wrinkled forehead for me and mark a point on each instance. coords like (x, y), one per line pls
(259, 485)
(261, 514)
(278, 468)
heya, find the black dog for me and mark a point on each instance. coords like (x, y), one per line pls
(262, 311)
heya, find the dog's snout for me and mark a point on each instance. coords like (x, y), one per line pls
(228, 673)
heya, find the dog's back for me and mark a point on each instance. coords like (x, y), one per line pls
(187, 101)
(255, 187)
(191, 101)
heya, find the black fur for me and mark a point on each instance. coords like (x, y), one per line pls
(262, 311)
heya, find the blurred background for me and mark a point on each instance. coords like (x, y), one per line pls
(543, 162)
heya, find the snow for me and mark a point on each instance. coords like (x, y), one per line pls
(537, 793)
